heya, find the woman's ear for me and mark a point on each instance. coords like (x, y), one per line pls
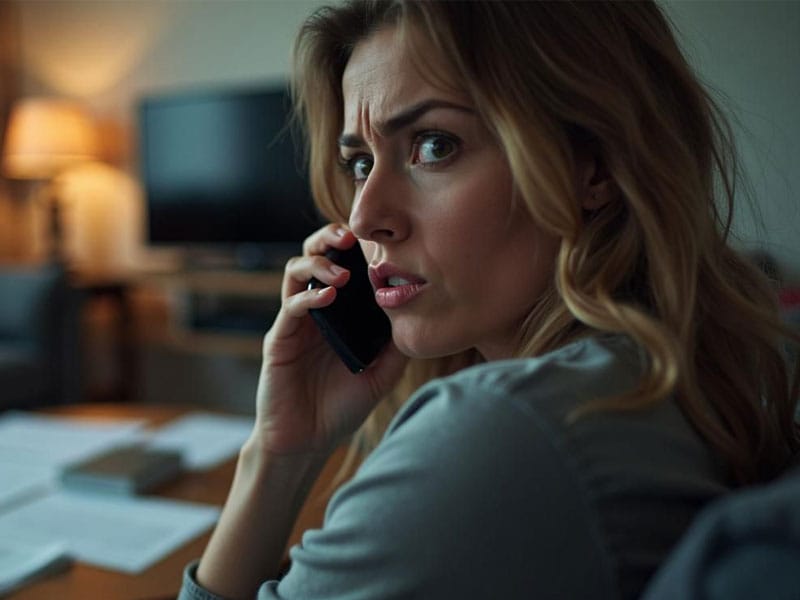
(597, 188)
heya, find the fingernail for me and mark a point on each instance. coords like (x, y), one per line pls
(337, 270)
(341, 231)
(321, 291)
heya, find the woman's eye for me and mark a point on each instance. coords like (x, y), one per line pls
(360, 166)
(434, 148)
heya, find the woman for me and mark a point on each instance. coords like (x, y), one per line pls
(533, 186)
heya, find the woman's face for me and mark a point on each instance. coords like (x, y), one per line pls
(454, 262)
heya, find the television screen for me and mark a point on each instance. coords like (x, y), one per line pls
(223, 168)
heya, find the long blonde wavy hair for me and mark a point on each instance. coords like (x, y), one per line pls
(555, 79)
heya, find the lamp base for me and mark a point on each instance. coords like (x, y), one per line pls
(56, 253)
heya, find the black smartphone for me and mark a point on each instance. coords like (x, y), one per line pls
(354, 325)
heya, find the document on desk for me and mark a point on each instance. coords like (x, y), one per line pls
(204, 439)
(114, 532)
(34, 448)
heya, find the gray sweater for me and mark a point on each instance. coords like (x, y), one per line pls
(481, 489)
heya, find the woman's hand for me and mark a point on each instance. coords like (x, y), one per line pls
(307, 400)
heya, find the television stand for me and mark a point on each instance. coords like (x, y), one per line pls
(217, 310)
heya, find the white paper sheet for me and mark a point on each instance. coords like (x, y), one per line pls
(21, 482)
(31, 439)
(21, 563)
(205, 439)
(124, 534)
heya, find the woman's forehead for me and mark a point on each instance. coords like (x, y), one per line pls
(384, 76)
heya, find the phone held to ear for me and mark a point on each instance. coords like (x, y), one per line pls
(354, 325)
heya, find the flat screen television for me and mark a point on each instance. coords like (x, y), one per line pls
(222, 170)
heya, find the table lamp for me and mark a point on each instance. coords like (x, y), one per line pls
(44, 137)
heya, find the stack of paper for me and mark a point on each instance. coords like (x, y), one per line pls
(42, 523)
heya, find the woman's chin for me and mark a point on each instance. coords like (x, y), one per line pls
(422, 347)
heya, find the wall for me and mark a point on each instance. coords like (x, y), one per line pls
(110, 53)
(750, 53)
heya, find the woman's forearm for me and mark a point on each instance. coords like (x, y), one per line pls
(248, 544)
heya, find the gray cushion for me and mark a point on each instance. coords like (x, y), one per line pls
(745, 546)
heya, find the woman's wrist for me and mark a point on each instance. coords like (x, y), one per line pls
(261, 450)
(267, 494)
(292, 474)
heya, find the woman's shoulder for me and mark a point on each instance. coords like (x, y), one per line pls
(507, 426)
(583, 359)
(538, 397)
(551, 385)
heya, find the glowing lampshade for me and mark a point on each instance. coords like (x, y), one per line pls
(45, 136)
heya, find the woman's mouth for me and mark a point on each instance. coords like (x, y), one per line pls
(392, 287)
(397, 281)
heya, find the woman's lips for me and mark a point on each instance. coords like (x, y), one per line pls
(393, 287)
(395, 297)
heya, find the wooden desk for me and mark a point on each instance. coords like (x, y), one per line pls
(162, 580)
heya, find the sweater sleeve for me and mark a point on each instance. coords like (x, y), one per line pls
(461, 500)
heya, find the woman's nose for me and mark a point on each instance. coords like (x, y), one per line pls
(379, 212)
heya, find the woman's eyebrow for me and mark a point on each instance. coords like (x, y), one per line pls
(403, 119)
